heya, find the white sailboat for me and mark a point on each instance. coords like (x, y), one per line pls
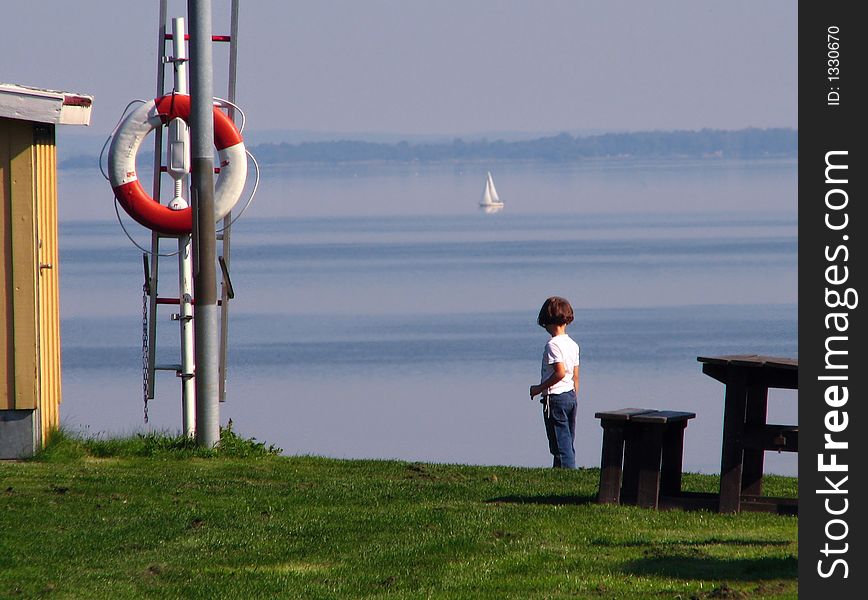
(490, 202)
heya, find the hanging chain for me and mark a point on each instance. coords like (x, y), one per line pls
(145, 353)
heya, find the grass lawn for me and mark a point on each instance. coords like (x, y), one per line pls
(103, 521)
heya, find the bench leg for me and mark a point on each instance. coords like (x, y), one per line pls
(673, 456)
(650, 450)
(632, 462)
(610, 463)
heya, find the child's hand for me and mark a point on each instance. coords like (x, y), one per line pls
(534, 390)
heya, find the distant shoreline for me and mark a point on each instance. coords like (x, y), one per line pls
(751, 143)
(481, 165)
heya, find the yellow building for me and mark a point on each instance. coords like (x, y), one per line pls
(29, 299)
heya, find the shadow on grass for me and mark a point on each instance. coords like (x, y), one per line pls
(681, 566)
(555, 500)
(703, 542)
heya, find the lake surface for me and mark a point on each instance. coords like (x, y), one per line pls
(379, 314)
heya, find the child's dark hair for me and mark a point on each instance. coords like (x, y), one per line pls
(555, 311)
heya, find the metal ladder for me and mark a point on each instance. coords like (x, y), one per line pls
(152, 270)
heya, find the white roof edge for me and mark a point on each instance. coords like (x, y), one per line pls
(44, 106)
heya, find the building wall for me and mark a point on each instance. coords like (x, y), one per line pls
(29, 307)
(48, 281)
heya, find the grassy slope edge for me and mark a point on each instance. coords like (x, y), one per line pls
(157, 518)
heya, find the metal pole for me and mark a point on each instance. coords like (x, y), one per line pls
(178, 166)
(185, 316)
(233, 54)
(204, 228)
(227, 220)
(155, 237)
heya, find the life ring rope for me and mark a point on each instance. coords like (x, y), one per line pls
(231, 156)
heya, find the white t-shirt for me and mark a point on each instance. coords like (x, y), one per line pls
(560, 349)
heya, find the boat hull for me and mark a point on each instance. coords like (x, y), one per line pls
(491, 208)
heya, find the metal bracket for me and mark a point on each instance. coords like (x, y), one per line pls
(147, 274)
(230, 291)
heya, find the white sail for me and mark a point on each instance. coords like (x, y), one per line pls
(492, 191)
(490, 200)
(486, 195)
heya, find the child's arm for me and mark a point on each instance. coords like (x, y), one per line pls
(576, 379)
(559, 371)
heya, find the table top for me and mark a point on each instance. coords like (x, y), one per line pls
(751, 360)
(753, 369)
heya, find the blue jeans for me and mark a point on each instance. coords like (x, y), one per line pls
(560, 421)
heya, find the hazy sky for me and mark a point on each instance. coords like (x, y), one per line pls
(442, 67)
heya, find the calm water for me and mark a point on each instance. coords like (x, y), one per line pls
(378, 314)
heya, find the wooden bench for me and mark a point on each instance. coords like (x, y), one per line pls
(642, 455)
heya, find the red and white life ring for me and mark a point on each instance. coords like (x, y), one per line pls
(122, 165)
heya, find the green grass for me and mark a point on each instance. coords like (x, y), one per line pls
(152, 516)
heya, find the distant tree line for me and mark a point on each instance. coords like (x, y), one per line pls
(743, 143)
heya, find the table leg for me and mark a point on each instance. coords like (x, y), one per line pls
(732, 452)
(610, 463)
(755, 414)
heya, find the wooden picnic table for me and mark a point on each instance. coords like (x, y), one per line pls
(746, 435)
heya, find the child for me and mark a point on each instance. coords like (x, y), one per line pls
(559, 381)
